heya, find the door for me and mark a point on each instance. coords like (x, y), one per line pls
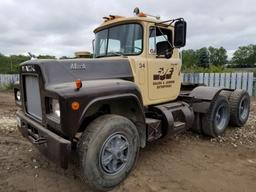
(163, 74)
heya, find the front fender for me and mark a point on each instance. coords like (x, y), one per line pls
(92, 92)
(127, 105)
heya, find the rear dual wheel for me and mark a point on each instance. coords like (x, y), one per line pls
(230, 107)
(239, 102)
(216, 120)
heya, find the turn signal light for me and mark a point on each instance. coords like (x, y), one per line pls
(75, 105)
(78, 84)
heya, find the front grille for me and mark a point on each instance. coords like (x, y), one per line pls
(33, 99)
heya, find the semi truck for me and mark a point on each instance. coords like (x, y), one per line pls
(104, 109)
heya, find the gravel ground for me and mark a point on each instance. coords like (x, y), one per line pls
(187, 162)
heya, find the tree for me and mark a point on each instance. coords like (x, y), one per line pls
(46, 57)
(217, 56)
(203, 57)
(17, 59)
(245, 56)
(64, 57)
(189, 58)
(10, 64)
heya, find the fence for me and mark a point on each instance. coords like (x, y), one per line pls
(6, 79)
(229, 80)
(244, 81)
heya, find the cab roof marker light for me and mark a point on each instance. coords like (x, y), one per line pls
(112, 17)
(137, 12)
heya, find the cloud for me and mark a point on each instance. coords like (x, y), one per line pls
(59, 27)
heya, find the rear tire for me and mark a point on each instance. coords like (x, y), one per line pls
(226, 94)
(215, 122)
(239, 101)
(108, 150)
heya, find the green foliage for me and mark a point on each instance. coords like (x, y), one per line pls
(65, 57)
(218, 56)
(203, 57)
(46, 57)
(210, 69)
(10, 64)
(245, 56)
(205, 60)
(189, 58)
(9, 86)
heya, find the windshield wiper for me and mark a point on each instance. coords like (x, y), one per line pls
(112, 53)
(117, 53)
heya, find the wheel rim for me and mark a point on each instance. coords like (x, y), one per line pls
(221, 117)
(114, 154)
(243, 108)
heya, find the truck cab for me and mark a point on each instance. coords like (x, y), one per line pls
(150, 46)
(102, 110)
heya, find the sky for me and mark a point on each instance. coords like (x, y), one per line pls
(62, 27)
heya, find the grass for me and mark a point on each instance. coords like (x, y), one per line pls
(9, 86)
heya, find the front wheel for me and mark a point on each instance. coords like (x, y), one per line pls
(108, 150)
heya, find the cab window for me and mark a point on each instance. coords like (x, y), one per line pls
(158, 36)
(125, 39)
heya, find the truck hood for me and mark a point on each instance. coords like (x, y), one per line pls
(62, 71)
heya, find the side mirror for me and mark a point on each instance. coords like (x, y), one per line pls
(180, 30)
(164, 48)
(136, 11)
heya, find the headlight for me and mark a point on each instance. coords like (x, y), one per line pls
(56, 107)
(18, 95)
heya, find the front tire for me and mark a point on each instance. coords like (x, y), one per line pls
(108, 150)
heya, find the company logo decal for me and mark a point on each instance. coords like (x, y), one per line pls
(162, 79)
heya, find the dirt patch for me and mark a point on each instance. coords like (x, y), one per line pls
(188, 162)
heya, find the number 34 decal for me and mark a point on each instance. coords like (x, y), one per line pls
(141, 65)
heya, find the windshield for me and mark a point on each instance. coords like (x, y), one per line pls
(119, 40)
